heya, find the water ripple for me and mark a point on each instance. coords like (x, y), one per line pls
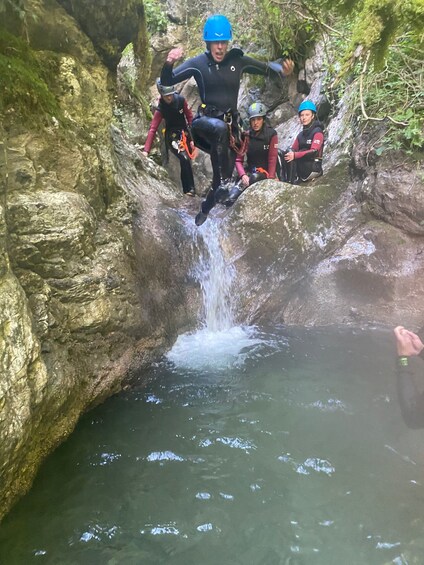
(161, 529)
(316, 464)
(236, 443)
(164, 456)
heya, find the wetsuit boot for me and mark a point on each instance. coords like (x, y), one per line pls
(233, 195)
(200, 218)
(223, 191)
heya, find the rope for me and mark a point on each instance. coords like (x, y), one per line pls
(183, 145)
(239, 147)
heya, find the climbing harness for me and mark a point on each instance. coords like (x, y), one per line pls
(183, 145)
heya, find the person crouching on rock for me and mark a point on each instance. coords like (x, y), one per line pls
(261, 154)
(173, 108)
(303, 161)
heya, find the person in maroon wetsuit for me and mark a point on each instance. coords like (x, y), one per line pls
(411, 400)
(173, 109)
(218, 73)
(260, 160)
(303, 161)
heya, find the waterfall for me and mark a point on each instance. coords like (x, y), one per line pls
(215, 277)
(219, 343)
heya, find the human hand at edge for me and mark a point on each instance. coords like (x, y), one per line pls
(288, 66)
(174, 55)
(145, 153)
(245, 180)
(407, 342)
(289, 156)
(194, 150)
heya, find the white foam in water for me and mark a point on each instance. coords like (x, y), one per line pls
(220, 343)
(207, 349)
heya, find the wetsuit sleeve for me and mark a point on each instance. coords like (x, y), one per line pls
(410, 399)
(316, 147)
(154, 125)
(170, 76)
(188, 113)
(272, 156)
(255, 67)
(239, 165)
(295, 145)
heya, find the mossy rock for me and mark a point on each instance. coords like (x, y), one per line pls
(26, 92)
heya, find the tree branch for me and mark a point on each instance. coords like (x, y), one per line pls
(361, 97)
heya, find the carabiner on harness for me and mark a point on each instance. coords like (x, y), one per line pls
(184, 146)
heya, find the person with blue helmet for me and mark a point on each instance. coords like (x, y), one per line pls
(173, 109)
(303, 161)
(218, 73)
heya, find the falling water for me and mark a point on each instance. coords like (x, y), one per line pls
(219, 343)
(215, 276)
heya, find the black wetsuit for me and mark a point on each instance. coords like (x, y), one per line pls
(411, 400)
(178, 118)
(218, 85)
(258, 150)
(261, 160)
(308, 148)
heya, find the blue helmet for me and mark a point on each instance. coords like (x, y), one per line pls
(217, 28)
(307, 105)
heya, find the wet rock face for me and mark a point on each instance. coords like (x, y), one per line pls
(391, 187)
(92, 284)
(92, 278)
(311, 255)
(111, 26)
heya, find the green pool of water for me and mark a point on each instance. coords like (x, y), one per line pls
(297, 455)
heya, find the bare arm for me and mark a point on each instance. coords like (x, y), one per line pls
(411, 400)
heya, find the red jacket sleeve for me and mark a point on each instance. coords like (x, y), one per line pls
(239, 165)
(187, 113)
(272, 156)
(154, 125)
(316, 146)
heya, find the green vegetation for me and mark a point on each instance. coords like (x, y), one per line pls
(375, 46)
(130, 79)
(292, 30)
(395, 94)
(155, 16)
(24, 89)
(16, 5)
(377, 23)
